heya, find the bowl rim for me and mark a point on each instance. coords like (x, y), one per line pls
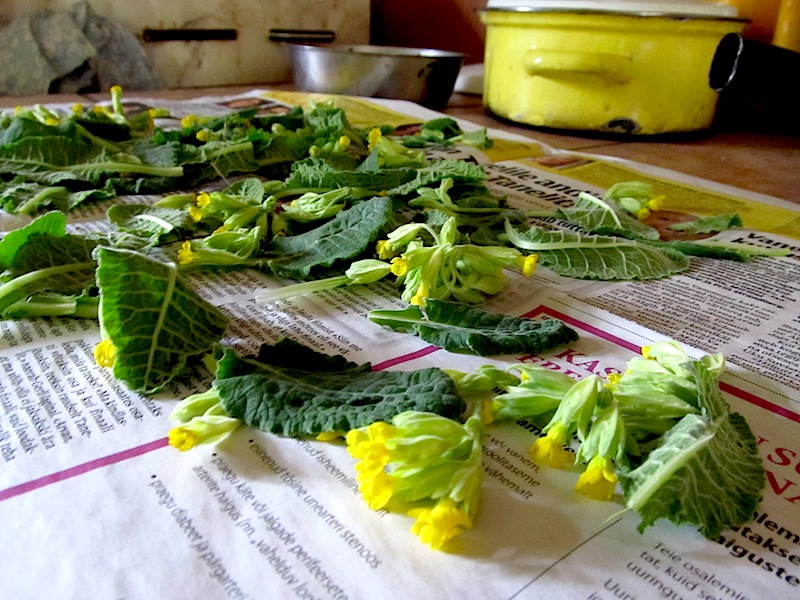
(374, 50)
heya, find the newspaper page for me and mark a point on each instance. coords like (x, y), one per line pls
(95, 503)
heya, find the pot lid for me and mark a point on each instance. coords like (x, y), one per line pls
(699, 8)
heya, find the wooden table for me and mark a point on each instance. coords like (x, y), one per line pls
(740, 154)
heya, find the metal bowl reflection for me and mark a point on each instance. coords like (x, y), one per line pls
(425, 76)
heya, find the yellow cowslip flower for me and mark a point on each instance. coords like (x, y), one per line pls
(186, 254)
(645, 351)
(105, 353)
(202, 429)
(116, 89)
(314, 151)
(18, 110)
(202, 199)
(528, 264)
(399, 266)
(613, 379)
(52, 121)
(203, 135)
(642, 214)
(375, 134)
(98, 109)
(195, 213)
(181, 438)
(422, 293)
(375, 487)
(656, 203)
(369, 445)
(77, 108)
(329, 436)
(343, 141)
(383, 249)
(436, 526)
(599, 480)
(550, 450)
(188, 121)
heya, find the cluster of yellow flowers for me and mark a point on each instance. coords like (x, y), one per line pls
(425, 463)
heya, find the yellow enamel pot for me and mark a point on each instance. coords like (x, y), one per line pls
(632, 73)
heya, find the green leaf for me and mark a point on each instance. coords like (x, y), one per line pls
(707, 470)
(598, 257)
(606, 218)
(719, 250)
(44, 153)
(45, 263)
(461, 328)
(316, 174)
(143, 226)
(155, 321)
(711, 224)
(345, 236)
(460, 171)
(292, 390)
(54, 223)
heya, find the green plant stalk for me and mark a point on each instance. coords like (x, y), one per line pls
(12, 291)
(35, 202)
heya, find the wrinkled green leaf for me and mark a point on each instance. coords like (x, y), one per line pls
(142, 226)
(345, 236)
(316, 174)
(292, 390)
(54, 223)
(598, 257)
(706, 471)
(461, 328)
(155, 321)
(45, 263)
(461, 172)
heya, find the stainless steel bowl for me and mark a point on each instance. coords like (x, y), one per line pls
(424, 76)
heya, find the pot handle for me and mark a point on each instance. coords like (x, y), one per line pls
(611, 68)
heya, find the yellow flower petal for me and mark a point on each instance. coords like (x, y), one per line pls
(376, 489)
(380, 431)
(550, 450)
(656, 203)
(383, 249)
(105, 353)
(598, 481)
(186, 254)
(528, 264)
(374, 135)
(421, 295)
(202, 199)
(438, 525)
(182, 439)
(399, 266)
